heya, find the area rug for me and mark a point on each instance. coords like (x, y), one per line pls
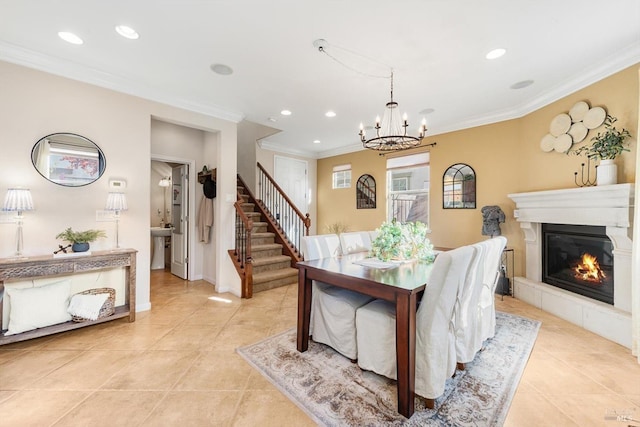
(335, 392)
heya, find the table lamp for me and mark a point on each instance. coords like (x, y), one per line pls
(18, 200)
(116, 202)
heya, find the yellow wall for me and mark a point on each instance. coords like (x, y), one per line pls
(507, 159)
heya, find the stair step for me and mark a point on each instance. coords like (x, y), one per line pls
(254, 216)
(262, 238)
(248, 207)
(266, 250)
(259, 227)
(270, 263)
(273, 279)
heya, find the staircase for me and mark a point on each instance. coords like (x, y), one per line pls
(271, 268)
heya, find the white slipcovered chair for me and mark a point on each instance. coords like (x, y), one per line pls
(487, 307)
(468, 340)
(333, 309)
(435, 330)
(316, 247)
(355, 241)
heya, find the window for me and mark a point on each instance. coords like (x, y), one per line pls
(366, 192)
(342, 176)
(408, 188)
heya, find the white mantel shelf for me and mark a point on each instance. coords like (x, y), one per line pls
(610, 206)
(607, 205)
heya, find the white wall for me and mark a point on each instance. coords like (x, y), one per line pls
(34, 104)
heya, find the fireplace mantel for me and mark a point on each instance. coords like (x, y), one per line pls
(608, 205)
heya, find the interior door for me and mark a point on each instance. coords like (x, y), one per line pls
(291, 176)
(180, 216)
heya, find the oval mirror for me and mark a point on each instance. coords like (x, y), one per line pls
(68, 159)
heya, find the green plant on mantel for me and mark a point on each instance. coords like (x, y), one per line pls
(400, 242)
(80, 236)
(607, 145)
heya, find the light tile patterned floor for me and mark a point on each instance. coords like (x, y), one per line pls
(177, 366)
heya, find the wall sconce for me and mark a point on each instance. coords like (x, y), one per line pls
(116, 202)
(18, 200)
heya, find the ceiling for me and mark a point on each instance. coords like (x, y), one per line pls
(436, 49)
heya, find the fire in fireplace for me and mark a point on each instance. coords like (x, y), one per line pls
(578, 258)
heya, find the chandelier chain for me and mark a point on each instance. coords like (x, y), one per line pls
(376, 76)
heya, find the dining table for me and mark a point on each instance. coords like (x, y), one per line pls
(401, 283)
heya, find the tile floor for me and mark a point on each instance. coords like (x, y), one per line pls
(176, 366)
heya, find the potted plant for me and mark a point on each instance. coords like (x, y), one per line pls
(80, 239)
(605, 147)
(402, 242)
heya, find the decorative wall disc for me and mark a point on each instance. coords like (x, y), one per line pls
(594, 117)
(547, 143)
(563, 143)
(578, 132)
(560, 124)
(578, 111)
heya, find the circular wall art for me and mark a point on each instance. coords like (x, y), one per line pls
(568, 129)
(594, 117)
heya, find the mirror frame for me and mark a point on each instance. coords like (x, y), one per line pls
(459, 187)
(90, 170)
(366, 192)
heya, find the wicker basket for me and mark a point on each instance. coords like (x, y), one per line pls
(108, 308)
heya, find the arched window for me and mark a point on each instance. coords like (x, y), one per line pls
(366, 192)
(459, 187)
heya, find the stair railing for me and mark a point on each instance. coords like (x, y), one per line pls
(293, 223)
(242, 248)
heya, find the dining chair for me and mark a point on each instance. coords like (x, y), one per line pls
(468, 341)
(487, 305)
(316, 247)
(435, 329)
(355, 241)
(333, 309)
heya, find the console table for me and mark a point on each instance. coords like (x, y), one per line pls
(49, 266)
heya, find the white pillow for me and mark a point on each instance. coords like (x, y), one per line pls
(38, 307)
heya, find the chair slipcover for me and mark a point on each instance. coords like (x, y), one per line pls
(487, 308)
(355, 241)
(316, 247)
(468, 340)
(435, 329)
(333, 309)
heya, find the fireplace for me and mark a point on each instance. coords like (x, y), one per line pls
(594, 220)
(578, 258)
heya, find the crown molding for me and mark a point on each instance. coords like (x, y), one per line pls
(71, 70)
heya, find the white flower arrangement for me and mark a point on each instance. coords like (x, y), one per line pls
(401, 242)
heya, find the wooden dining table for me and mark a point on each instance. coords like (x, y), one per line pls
(400, 283)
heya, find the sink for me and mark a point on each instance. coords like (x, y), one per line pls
(160, 232)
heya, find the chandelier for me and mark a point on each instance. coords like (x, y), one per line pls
(391, 133)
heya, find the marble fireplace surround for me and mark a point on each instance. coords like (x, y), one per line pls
(608, 205)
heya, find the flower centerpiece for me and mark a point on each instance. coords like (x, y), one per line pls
(80, 239)
(402, 242)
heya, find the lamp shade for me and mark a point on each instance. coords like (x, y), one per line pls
(164, 182)
(116, 202)
(18, 199)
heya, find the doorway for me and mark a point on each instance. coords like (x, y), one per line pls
(170, 207)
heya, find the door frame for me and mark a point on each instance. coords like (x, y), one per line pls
(191, 229)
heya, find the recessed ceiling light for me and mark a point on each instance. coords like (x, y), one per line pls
(70, 37)
(496, 53)
(285, 112)
(426, 111)
(272, 119)
(316, 141)
(330, 114)
(127, 32)
(522, 84)
(223, 70)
